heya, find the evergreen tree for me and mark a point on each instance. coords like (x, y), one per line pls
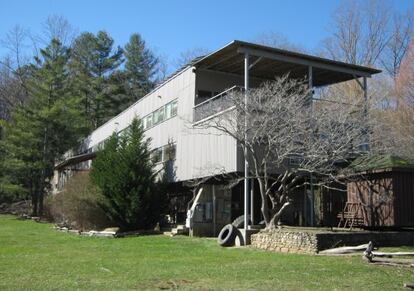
(22, 160)
(124, 172)
(140, 67)
(93, 61)
(45, 127)
(10, 187)
(119, 100)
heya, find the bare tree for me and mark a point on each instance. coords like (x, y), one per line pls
(359, 33)
(14, 70)
(277, 40)
(401, 34)
(286, 139)
(16, 41)
(405, 76)
(59, 28)
(371, 33)
(401, 130)
(12, 91)
(189, 55)
(398, 118)
(162, 69)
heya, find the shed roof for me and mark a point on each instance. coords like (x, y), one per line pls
(381, 162)
(278, 62)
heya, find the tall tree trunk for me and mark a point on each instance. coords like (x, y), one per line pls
(277, 215)
(40, 202)
(265, 204)
(45, 154)
(34, 202)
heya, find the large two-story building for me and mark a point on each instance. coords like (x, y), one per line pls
(170, 111)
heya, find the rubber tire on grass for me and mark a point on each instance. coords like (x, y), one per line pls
(227, 236)
(239, 221)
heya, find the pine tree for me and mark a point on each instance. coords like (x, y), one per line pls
(124, 172)
(140, 67)
(92, 64)
(10, 171)
(45, 127)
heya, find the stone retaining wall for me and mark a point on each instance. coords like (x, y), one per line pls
(302, 241)
(285, 241)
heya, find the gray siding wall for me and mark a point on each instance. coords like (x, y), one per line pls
(200, 153)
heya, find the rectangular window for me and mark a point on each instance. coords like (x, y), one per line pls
(158, 116)
(174, 108)
(168, 108)
(148, 122)
(171, 109)
(167, 111)
(156, 155)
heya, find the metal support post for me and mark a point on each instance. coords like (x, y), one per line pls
(312, 198)
(246, 164)
(365, 88)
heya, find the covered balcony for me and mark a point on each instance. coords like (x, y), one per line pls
(214, 105)
(241, 65)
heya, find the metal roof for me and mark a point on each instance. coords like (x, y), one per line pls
(271, 62)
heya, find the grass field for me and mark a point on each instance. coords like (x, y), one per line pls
(33, 256)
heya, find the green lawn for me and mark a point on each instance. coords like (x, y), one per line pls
(34, 256)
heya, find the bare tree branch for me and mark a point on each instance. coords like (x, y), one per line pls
(287, 139)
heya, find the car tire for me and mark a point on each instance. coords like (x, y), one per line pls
(239, 221)
(227, 236)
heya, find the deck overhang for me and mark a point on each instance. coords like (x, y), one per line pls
(268, 63)
(71, 161)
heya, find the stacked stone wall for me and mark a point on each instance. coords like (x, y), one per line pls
(297, 241)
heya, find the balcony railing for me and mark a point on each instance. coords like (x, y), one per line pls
(215, 104)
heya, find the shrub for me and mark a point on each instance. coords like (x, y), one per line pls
(78, 204)
(124, 173)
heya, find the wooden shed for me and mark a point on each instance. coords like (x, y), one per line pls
(382, 195)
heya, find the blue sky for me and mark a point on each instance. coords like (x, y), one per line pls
(171, 27)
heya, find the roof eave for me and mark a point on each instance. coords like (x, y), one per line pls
(243, 47)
